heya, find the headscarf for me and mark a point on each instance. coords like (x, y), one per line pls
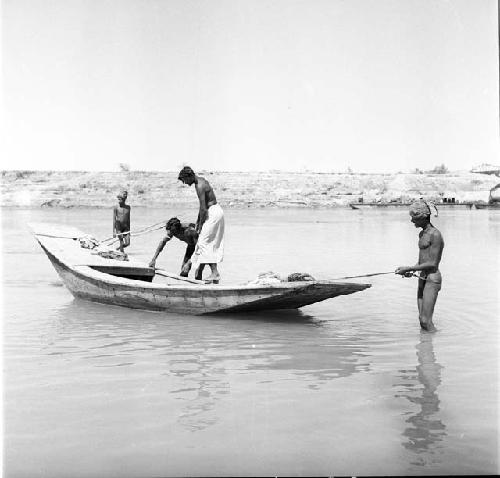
(123, 194)
(422, 208)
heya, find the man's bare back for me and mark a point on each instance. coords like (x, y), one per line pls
(203, 188)
(206, 197)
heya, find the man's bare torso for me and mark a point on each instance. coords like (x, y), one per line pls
(427, 237)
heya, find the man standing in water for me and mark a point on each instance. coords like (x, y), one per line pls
(185, 233)
(121, 221)
(430, 244)
(210, 226)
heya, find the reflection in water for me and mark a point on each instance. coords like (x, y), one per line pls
(198, 358)
(201, 385)
(425, 429)
(284, 341)
(126, 387)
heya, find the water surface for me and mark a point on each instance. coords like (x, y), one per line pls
(349, 386)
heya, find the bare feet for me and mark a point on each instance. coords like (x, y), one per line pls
(212, 279)
(428, 326)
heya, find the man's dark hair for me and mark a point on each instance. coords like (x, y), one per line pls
(173, 224)
(186, 172)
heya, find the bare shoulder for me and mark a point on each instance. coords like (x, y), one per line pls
(436, 234)
(190, 233)
(203, 185)
(203, 182)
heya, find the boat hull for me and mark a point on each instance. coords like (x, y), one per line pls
(488, 206)
(88, 284)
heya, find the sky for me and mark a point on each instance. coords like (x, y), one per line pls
(237, 85)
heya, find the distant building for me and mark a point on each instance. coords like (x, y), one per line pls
(486, 169)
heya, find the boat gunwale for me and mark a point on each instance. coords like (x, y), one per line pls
(87, 273)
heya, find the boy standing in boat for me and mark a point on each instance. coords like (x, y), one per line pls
(185, 233)
(121, 221)
(430, 244)
(210, 226)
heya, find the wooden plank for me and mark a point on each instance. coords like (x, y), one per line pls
(164, 273)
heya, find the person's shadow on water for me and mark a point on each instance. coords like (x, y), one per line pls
(425, 429)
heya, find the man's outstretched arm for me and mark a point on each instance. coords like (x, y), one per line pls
(160, 247)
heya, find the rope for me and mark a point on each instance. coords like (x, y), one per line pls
(412, 274)
(57, 237)
(422, 278)
(145, 230)
(364, 275)
(140, 232)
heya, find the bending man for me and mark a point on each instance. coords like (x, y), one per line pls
(430, 244)
(210, 226)
(185, 233)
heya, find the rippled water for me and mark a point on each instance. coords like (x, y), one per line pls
(348, 386)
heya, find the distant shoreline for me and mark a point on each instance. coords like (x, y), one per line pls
(267, 189)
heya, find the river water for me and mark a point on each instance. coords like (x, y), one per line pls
(349, 386)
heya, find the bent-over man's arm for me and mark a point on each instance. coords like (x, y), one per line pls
(160, 247)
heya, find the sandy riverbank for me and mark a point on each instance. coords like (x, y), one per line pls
(254, 189)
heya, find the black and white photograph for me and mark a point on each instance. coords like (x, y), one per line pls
(249, 238)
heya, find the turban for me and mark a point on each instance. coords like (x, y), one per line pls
(422, 208)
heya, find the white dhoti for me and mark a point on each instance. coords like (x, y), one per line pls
(210, 245)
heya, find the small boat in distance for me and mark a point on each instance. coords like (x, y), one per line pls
(493, 205)
(368, 205)
(131, 283)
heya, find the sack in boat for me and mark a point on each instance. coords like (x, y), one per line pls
(300, 276)
(266, 278)
(117, 255)
(88, 242)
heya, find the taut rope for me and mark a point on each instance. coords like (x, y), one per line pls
(140, 232)
(145, 230)
(412, 274)
(364, 275)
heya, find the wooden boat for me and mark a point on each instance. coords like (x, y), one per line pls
(359, 205)
(494, 205)
(130, 283)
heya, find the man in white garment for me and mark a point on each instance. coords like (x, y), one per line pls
(210, 226)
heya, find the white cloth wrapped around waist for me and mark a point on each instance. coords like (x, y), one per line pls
(210, 245)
